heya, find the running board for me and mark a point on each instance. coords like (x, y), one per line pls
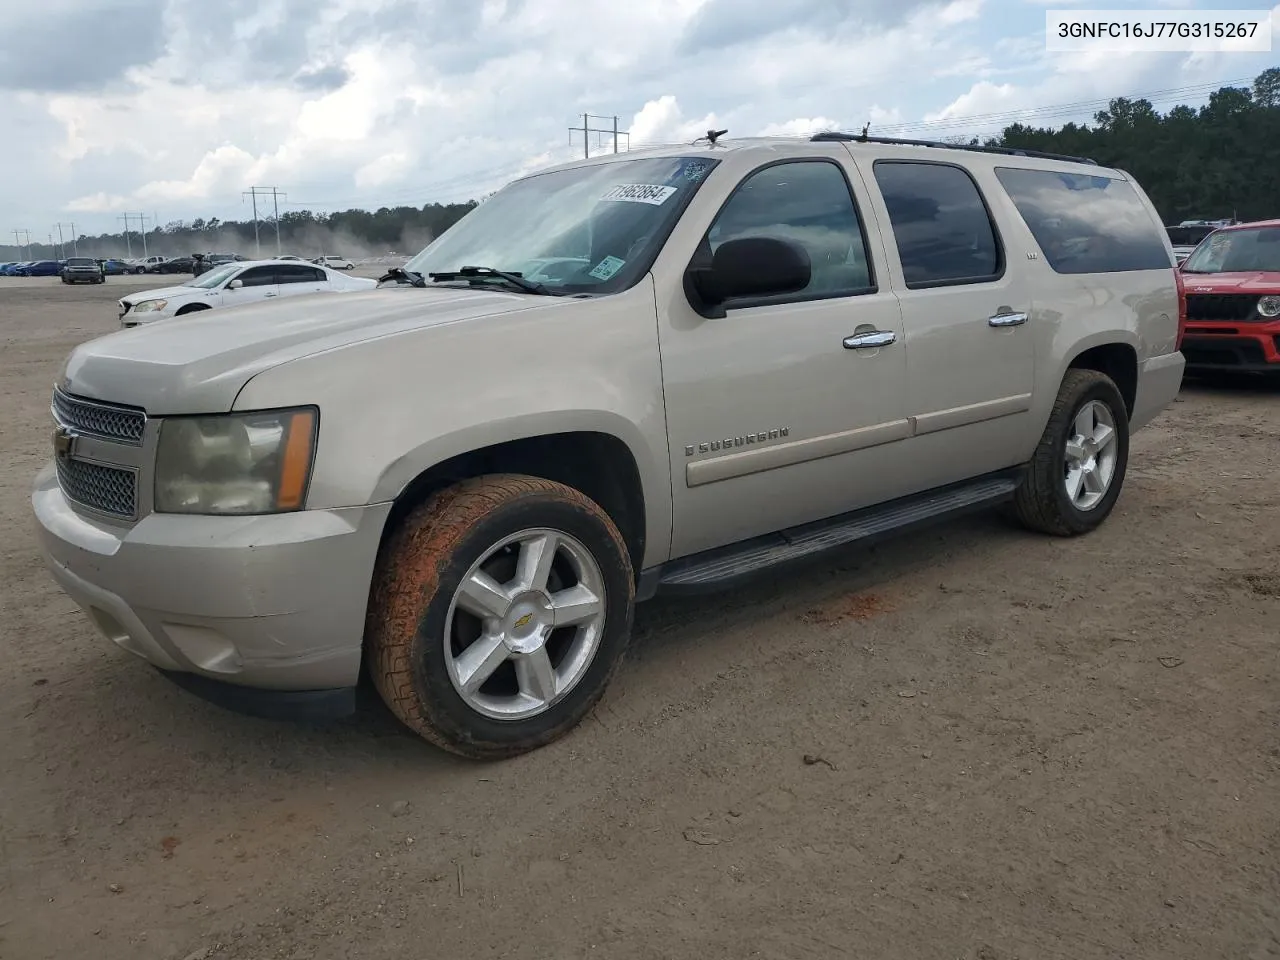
(726, 566)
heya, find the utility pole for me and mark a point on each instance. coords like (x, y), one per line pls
(62, 244)
(142, 231)
(586, 130)
(18, 242)
(127, 241)
(275, 208)
(75, 241)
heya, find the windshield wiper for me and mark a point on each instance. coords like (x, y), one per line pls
(401, 275)
(515, 279)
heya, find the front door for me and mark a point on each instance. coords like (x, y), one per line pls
(788, 409)
(968, 318)
(259, 283)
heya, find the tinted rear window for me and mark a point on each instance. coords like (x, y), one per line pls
(940, 223)
(81, 262)
(1085, 223)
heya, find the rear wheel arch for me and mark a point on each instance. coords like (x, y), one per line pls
(1118, 361)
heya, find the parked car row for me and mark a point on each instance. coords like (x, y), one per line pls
(54, 268)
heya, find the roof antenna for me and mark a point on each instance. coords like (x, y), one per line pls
(712, 136)
(865, 127)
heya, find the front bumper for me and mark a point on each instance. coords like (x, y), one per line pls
(275, 603)
(1226, 346)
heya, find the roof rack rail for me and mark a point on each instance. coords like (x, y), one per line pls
(835, 135)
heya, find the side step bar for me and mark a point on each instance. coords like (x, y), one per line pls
(727, 566)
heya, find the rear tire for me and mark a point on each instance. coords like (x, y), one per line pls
(554, 631)
(1078, 469)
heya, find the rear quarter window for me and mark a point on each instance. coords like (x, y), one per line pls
(1086, 223)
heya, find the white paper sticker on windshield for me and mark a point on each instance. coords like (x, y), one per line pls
(651, 193)
(606, 268)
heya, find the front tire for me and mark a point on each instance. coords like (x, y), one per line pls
(501, 608)
(1075, 476)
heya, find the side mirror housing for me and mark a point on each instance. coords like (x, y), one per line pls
(235, 284)
(746, 267)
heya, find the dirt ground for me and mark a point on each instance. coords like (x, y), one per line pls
(973, 743)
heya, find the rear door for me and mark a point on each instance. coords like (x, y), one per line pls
(295, 279)
(967, 315)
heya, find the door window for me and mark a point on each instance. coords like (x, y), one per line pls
(257, 277)
(940, 223)
(290, 273)
(807, 202)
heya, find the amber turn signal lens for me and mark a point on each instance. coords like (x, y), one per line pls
(296, 462)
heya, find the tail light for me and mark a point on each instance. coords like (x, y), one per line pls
(1182, 306)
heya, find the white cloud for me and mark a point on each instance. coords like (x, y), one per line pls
(373, 102)
(800, 127)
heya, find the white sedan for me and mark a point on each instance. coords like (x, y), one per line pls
(336, 263)
(233, 284)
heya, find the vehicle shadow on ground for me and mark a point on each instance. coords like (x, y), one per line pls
(135, 709)
(664, 628)
(1225, 385)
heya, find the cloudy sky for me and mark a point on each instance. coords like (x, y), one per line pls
(173, 107)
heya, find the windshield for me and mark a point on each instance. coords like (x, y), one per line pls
(1187, 236)
(214, 277)
(1237, 251)
(591, 229)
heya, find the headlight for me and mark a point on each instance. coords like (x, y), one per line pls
(1269, 306)
(240, 463)
(148, 306)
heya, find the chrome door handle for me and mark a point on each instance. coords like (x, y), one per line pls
(865, 341)
(1007, 320)
(271, 294)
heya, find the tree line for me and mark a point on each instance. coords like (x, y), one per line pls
(1219, 160)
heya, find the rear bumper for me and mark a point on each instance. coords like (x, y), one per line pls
(1232, 346)
(1159, 380)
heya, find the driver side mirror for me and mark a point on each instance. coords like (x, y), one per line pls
(235, 284)
(747, 267)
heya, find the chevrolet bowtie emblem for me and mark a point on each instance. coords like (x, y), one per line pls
(64, 442)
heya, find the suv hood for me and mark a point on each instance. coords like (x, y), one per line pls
(198, 363)
(1255, 281)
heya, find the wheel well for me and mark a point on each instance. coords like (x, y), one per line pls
(191, 308)
(1119, 361)
(598, 464)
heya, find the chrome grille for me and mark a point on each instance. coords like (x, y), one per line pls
(107, 489)
(111, 422)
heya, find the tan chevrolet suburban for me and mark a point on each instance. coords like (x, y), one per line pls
(665, 370)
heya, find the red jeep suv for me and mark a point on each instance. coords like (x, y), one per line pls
(1231, 300)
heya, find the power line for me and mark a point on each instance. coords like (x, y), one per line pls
(1047, 111)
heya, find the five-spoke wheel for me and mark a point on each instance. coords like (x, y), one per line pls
(501, 607)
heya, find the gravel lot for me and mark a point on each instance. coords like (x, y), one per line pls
(1016, 747)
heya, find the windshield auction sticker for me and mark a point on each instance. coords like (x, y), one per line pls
(651, 193)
